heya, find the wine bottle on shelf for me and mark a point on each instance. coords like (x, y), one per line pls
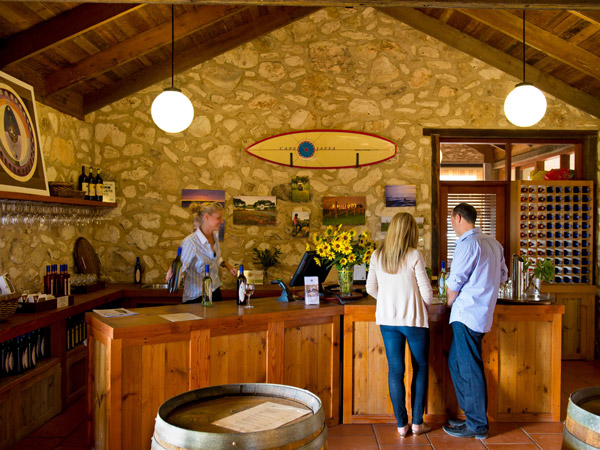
(99, 186)
(137, 272)
(91, 186)
(207, 287)
(82, 181)
(48, 281)
(54, 275)
(175, 269)
(241, 287)
(67, 281)
(442, 283)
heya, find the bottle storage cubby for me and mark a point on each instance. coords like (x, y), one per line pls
(556, 222)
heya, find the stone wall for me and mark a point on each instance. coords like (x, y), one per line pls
(353, 69)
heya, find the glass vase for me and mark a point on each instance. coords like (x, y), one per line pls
(346, 277)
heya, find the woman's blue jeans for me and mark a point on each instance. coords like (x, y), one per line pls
(395, 339)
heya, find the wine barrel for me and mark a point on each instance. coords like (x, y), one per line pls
(582, 426)
(186, 420)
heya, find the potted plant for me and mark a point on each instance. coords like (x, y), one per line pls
(267, 258)
(542, 271)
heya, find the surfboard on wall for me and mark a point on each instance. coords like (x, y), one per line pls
(324, 149)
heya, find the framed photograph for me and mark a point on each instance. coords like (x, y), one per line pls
(300, 189)
(22, 166)
(190, 196)
(400, 195)
(385, 224)
(344, 210)
(300, 223)
(253, 210)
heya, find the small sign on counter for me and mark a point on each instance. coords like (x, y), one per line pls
(311, 290)
(180, 317)
(120, 312)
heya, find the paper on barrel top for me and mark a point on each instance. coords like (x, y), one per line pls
(265, 416)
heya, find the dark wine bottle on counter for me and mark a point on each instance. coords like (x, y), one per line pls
(48, 281)
(241, 287)
(175, 269)
(137, 272)
(99, 186)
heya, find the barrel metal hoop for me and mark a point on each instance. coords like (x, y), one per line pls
(570, 442)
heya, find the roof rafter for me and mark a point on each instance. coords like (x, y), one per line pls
(135, 47)
(277, 17)
(494, 58)
(63, 27)
(539, 39)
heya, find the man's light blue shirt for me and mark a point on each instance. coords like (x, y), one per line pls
(477, 270)
(196, 252)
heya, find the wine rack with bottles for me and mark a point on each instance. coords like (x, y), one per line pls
(556, 222)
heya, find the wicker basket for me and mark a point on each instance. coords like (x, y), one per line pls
(64, 189)
(8, 305)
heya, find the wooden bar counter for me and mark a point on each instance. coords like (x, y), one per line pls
(138, 362)
(522, 354)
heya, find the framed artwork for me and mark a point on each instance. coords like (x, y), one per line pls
(22, 166)
(189, 196)
(254, 210)
(400, 195)
(344, 210)
(300, 223)
(300, 189)
(385, 223)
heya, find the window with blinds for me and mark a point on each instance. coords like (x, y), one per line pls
(485, 204)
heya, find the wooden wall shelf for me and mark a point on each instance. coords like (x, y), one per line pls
(4, 195)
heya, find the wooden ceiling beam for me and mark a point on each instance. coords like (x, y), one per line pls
(590, 16)
(135, 47)
(495, 58)
(540, 39)
(277, 18)
(581, 5)
(65, 26)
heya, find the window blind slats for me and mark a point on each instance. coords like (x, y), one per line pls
(485, 204)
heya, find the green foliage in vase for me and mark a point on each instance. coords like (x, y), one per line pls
(544, 270)
(267, 257)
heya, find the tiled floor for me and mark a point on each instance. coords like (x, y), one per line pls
(67, 431)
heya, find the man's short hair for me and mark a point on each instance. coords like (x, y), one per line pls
(466, 211)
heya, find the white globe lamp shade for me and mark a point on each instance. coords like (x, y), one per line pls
(525, 105)
(172, 111)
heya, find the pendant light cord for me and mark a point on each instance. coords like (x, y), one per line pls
(523, 46)
(173, 45)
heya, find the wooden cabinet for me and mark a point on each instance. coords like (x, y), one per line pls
(28, 401)
(554, 219)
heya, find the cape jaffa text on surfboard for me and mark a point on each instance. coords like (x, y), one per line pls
(324, 149)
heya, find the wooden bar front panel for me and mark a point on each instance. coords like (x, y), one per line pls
(521, 355)
(151, 363)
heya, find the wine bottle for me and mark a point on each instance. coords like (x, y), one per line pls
(207, 287)
(137, 272)
(99, 186)
(67, 281)
(241, 287)
(91, 186)
(442, 283)
(82, 181)
(48, 281)
(54, 276)
(175, 268)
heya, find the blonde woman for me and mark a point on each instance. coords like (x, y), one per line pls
(398, 281)
(201, 248)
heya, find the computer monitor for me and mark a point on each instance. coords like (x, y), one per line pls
(309, 268)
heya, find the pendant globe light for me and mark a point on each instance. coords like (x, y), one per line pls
(525, 105)
(171, 110)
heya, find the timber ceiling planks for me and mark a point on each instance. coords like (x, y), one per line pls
(82, 56)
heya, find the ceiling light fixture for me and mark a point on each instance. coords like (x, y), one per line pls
(525, 105)
(171, 110)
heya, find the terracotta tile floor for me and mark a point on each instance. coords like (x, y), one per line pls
(67, 430)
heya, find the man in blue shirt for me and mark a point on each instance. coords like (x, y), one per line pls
(478, 268)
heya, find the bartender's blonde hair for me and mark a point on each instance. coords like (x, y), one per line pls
(199, 209)
(402, 235)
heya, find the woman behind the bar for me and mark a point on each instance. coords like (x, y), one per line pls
(201, 248)
(398, 280)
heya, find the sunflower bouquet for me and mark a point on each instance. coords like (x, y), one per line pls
(342, 249)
